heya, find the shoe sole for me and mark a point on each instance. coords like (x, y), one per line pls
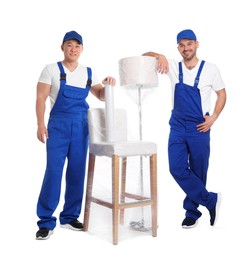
(68, 226)
(218, 203)
(45, 238)
(192, 226)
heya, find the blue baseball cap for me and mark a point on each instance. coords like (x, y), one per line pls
(186, 34)
(72, 35)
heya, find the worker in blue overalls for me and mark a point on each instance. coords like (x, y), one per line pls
(68, 84)
(192, 81)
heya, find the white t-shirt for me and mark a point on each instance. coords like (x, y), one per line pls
(210, 79)
(78, 78)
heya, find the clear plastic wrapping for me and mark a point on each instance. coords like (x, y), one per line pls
(108, 136)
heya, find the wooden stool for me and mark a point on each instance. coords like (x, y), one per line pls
(118, 151)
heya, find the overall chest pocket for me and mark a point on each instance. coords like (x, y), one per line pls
(74, 100)
(74, 94)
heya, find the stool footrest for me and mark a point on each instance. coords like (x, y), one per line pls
(134, 196)
(101, 202)
(135, 204)
(139, 203)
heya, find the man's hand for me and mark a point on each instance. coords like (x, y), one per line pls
(42, 133)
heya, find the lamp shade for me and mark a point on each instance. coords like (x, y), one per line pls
(138, 71)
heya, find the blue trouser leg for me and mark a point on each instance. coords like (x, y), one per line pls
(75, 173)
(199, 148)
(57, 147)
(188, 165)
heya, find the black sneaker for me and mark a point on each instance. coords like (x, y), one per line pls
(43, 233)
(73, 225)
(214, 212)
(189, 222)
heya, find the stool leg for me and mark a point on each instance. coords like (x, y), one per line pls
(153, 188)
(90, 176)
(123, 188)
(115, 197)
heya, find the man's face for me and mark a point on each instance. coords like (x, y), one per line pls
(72, 50)
(187, 48)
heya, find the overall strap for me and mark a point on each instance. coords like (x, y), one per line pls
(62, 73)
(198, 74)
(180, 75)
(89, 77)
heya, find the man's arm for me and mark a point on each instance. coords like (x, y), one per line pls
(220, 102)
(43, 91)
(219, 105)
(99, 90)
(162, 66)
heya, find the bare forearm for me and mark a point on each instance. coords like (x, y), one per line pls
(102, 94)
(220, 103)
(162, 62)
(40, 111)
(99, 89)
(43, 91)
(151, 54)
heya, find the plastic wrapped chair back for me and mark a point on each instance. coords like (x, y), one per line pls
(97, 125)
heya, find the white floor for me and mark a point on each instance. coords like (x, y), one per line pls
(226, 239)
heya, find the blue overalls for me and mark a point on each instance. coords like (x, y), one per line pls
(68, 138)
(189, 149)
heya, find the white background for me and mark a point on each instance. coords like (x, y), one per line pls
(31, 34)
